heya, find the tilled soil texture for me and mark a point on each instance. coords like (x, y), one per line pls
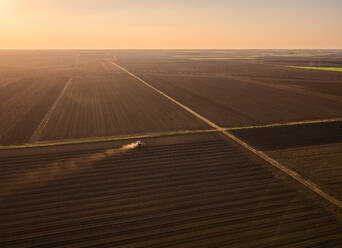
(282, 137)
(233, 103)
(252, 71)
(104, 101)
(20, 62)
(193, 191)
(37, 103)
(321, 164)
(30, 82)
(24, 103)
(243, 93)
(140, 62)
(328, 60)
(312, 150)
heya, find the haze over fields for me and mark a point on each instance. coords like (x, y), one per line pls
(170, 24)
(173, 146)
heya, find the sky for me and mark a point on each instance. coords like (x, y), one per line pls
(170, 24)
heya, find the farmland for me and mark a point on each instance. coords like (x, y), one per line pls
(98, 101)
(313, 150)
(292, 135)
(215, 125)
(237, 93)
(28, 86)
(24, 103)
(320, 163)
(107, 104)
(193, 190)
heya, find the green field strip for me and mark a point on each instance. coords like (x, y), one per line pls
(106, 139)
(338, 69)
(302, 54)
(157, 135)
(285, 124)
(310, 185)
(215, 128)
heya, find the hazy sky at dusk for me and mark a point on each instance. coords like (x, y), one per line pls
(170, 24)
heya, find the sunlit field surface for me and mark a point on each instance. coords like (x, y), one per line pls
(170, 148)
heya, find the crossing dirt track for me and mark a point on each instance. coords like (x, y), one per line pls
(72, 176)
(100, 101)
(314, 150)
(187, 191)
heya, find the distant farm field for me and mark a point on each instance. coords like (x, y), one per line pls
(90, 98)
(51, 95)
(236, 93)
(153, 148)
(221, 58)
(113, 104)
(24, 103)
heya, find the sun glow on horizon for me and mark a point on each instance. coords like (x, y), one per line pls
(51, 24)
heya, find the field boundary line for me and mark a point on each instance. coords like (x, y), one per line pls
(318, 68)
(106, 139)
(294, 123)
(171, 99)
(155, 135)
(36, 135)
(310, 185)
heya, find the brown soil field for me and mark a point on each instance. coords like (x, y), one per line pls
(21, 62)
(331, 84)
(332, 88)
(105, 102)
(144, 63)
(331, 60)
(191, 191)
(257, 70)
(100, 100)
(24, 103)
(242, 93)
(230, 102)
(281, 137)
(194, 190)
(312, 150)
(30, 81)
(321, 164)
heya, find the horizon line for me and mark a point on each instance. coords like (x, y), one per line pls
(30, 49)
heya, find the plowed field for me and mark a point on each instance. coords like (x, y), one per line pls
(70, 175)
(24, 104)
(242, 93)
(99, 100)
(312, 150)
(195, 191)
(107, 103)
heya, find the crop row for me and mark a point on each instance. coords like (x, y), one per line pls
(159, 196)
